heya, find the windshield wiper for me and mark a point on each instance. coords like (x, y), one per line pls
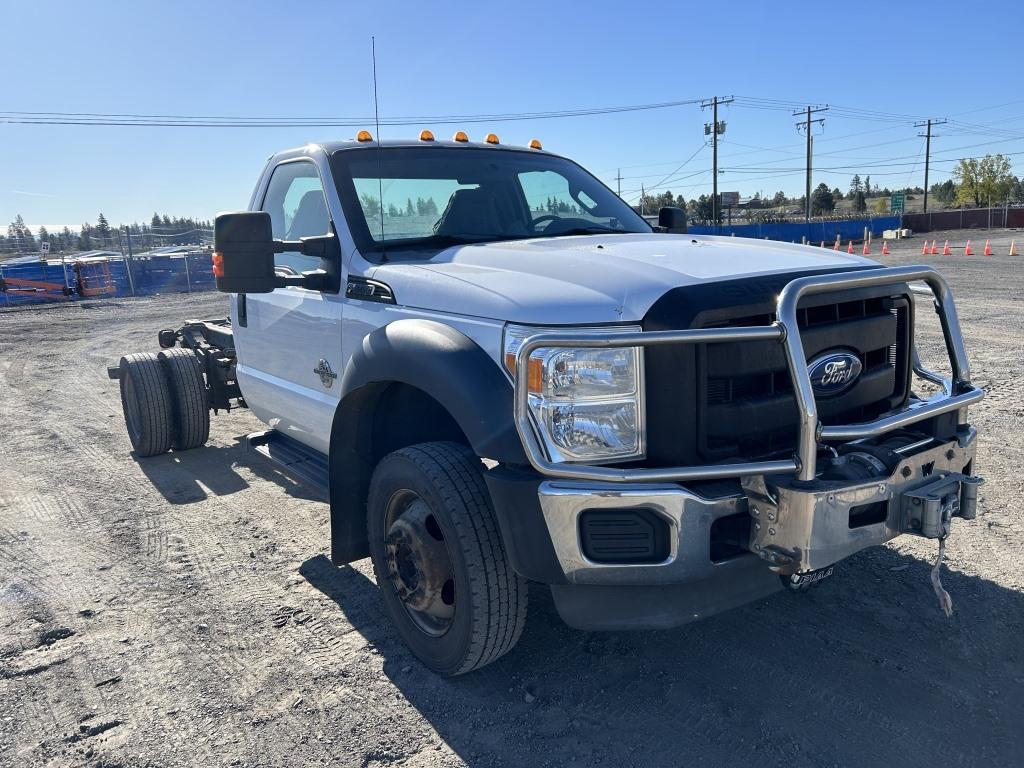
(434, 241)
(590, 231)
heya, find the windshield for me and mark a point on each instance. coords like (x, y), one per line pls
(406, 197)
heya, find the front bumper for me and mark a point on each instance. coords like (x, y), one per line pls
(793, 529)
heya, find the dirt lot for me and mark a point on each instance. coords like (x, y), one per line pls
(180, 611)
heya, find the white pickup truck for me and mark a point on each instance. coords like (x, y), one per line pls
(497, 372)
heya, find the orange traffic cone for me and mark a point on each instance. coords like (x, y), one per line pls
(836, 246)
(934, 250)
(945, 249)
(988, 248)
(850, 249)
(867, 250)
(885, 248)
(1013, 248)
(924, 248)
(967, 250)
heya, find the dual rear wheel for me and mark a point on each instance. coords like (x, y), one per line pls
(164, 400)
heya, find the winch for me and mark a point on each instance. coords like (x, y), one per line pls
(864, 494)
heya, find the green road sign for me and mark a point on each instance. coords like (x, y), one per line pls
(897, 201)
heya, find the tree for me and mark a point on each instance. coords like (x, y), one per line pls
(85, 238)
(855, 185)
(944, 192)
(822, 200)
(20, 236)
(837, 194)
(981, 181)
(867, 186)
(881, 205)
(779, 198)
(859, 203)
(371, 206)
(409, 210)
(393, 212)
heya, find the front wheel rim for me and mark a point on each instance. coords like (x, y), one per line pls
(419, 564)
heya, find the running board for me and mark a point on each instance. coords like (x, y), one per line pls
(297, 460)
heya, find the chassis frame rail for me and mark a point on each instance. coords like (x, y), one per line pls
(957, 394)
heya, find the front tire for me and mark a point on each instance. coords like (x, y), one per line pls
(439, 559)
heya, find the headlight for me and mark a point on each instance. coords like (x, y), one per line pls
(587, 403)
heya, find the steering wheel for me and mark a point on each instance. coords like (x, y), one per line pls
(542, 219)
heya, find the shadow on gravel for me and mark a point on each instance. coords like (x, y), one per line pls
(864, 670)
(191, 476)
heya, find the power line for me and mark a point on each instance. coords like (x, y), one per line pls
(222, 121)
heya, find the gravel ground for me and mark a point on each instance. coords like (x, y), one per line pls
(181, 610)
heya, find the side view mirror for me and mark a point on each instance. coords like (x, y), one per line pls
(243, 255)
(672, 219)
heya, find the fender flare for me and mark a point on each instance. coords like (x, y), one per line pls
(451, 368)
(444, 364)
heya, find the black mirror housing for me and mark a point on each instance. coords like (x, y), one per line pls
(243, 259)
(672, 219)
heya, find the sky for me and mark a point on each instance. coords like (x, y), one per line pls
(880, 66)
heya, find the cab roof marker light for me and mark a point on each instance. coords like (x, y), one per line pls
(492, 138)
(460, 136)
(426, 135)
(364, 136)
(535, 144)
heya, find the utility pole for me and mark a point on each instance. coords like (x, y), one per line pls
(927, 151)
(714, 128)
(618, 182)
(807, 123)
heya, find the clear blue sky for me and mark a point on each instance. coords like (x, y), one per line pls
(306, 59)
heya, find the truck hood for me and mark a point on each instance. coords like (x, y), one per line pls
(589, 279)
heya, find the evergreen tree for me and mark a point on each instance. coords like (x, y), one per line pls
(855, 185)
(822, 200)
(409, 210)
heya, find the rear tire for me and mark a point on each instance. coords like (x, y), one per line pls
(146, 401)
(438, 490)
(191, 425)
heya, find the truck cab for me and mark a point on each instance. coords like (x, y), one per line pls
(498, 372)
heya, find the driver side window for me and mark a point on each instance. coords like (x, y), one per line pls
(297, 207)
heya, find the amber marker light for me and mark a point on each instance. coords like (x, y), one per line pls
(218, 264)
(426, 136)
(460, 136)
(535, 144)
(492, 138)
(364, 136)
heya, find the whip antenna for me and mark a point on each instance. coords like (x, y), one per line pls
(376, 122)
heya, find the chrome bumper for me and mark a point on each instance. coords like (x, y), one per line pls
(793, 529)
(957, 394)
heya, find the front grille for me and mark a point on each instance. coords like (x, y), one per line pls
(742, 392)
(746, 391)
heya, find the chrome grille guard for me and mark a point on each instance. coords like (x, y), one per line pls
(957, 394)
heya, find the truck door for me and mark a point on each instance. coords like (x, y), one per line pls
(289, 341)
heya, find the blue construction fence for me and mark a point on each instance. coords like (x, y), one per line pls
(146, 276)
(796, 231)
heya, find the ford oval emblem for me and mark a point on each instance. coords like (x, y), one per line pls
(834, 372)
